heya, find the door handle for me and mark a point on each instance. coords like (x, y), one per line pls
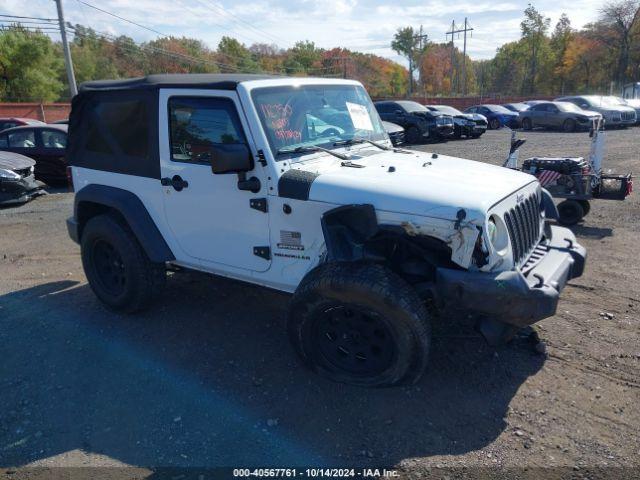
(176, 182)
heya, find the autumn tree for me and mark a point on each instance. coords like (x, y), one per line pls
(534, 28)
(620, 19)
(562, 35)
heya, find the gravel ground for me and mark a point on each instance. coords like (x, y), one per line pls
(207, 377)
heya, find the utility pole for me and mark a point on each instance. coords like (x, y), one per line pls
(453, 30)
(67, 53)
(467, 28)
(420, 40)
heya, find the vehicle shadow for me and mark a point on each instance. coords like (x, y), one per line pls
(592, 232)
(207, 378)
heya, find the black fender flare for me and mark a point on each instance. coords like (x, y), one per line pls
(132, 210)
(346, 229)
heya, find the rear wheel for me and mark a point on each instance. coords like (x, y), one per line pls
(570, 212)
(569, 125)
(360, 324)
(413, 135)
(527, 124)
(117, 268)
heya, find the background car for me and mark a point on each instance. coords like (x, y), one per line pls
(45, 144)
(531, 103)
(395, 132)
(418, 122)
(17, 183)
(10, 122)
(496, 115)
(635, 104)
(516, 107)
(559, 115)
(614, 113)
(471, 125)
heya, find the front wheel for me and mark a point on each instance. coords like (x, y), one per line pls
(494, 124)
(570, 212)
(569, 125)
(413, 135)
(360, 324)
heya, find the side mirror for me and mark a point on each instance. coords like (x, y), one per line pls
(230, 158)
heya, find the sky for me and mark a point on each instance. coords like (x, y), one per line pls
(366, 26)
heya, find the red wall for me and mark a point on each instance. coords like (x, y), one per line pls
(47, 112)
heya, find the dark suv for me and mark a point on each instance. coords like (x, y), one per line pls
(418, 122)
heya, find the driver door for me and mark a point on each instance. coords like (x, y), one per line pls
(210, 219)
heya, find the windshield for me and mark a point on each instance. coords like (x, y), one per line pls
(412, 106)
(498, 109)
(520, 107)
(568, 107)
(316, 115)
(447, 110)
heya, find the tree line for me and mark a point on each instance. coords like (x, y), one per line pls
(32, 69)
(600, 57)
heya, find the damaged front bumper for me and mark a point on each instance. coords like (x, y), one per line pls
(514, 299)
(14, 192)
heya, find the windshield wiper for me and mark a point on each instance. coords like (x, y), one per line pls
(354, 141)
(309, 149)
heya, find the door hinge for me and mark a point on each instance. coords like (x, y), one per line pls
(261, 158)
(263, 252)
(259, 204)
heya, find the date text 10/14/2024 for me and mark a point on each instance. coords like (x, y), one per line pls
(315, 472)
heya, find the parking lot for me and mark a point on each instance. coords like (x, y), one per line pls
(207, 378)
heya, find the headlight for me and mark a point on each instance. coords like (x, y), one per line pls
(497, 234)
(8, 175)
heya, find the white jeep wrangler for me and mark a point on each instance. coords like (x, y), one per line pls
(292, 183)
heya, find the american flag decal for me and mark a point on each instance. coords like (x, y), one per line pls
(290, 240)
(547, 177)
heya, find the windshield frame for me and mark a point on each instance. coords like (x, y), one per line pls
(327, 142)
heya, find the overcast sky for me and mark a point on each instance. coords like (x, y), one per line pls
(366, 26)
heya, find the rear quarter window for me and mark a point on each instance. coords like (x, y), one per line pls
(118, 127)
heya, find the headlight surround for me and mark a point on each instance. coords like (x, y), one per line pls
(497, 235)
(8, 175)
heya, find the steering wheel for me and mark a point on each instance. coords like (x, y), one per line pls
(330, 132)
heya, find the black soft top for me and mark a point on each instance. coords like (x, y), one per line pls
(219, 81)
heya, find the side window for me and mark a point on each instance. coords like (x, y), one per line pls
(22, 139)
(118, 127)
(382, 108)
(471, 109)
(54, 139)
(3, 141)
(196, 123)
(5, 125)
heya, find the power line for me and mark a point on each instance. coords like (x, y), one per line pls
(260, 31)
(122, 18)
(30, 18)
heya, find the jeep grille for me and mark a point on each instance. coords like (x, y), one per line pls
(523, 224)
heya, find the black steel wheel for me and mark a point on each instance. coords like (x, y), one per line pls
(570, 212)
(361, 324)
(353, 339)
(117, 268)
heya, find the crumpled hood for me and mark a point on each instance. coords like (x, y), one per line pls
(14, 161)
(414, 183)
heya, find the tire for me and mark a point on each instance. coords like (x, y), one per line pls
(494, 124)
(117, 268)
(360, 324)
(586, 207)
(569, 125)
(457, 133)
(527, 124)
(413, 135)
(570, 212)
